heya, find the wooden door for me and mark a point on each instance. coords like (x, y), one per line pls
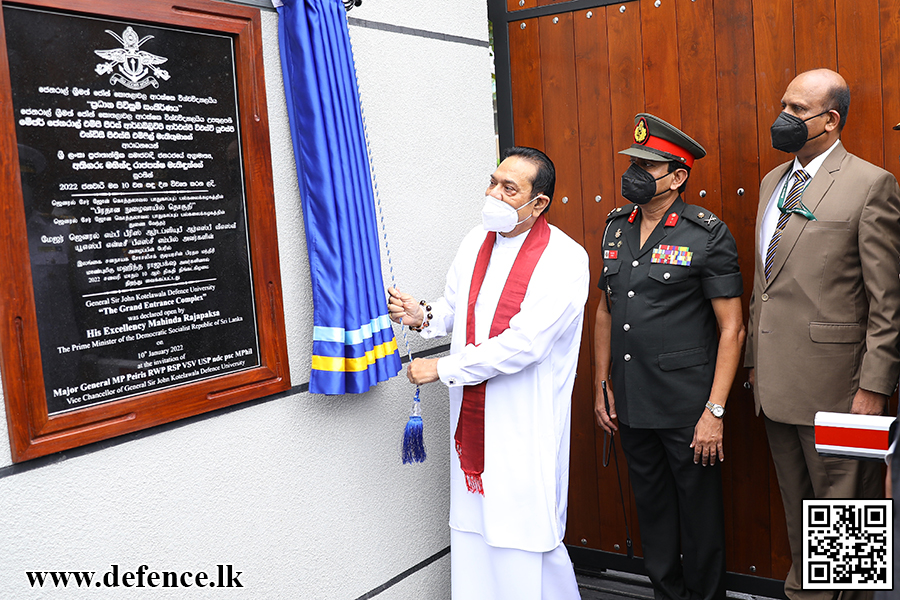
(571, 75)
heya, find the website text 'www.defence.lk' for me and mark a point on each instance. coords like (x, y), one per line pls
(224, 576)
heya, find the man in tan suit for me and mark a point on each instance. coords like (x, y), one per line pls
(825, 308)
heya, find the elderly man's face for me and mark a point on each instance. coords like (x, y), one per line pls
(802, 100)
(806, 97)
(511, 182)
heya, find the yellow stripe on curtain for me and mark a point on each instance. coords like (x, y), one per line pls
(347, 365)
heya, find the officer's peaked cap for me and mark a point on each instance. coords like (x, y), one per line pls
(654, 139)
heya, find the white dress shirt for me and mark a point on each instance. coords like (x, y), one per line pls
(770, 218)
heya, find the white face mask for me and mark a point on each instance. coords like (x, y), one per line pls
(499, 216)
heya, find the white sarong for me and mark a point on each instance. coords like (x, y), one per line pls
(482, 572)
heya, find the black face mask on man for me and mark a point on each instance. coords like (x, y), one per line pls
(638, 185)
(789, 133)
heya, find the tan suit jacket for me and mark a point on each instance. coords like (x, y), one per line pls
(828, 320)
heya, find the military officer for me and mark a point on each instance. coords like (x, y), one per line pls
(667, 343)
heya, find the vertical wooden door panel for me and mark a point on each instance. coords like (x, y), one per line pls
(626, 80)
(595, 125)
(815, 37)
(660, 61)
(586, 499)
(560, 106)
(890, 65)
(699, 101)
(773, 43)
(525, 81)
(859, 61)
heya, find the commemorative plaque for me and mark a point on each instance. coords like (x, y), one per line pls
(134, 194)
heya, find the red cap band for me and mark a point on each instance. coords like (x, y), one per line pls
(669, 148)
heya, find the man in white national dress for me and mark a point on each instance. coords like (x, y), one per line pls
(515, 305)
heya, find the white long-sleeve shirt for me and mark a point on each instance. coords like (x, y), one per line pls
(530, 369)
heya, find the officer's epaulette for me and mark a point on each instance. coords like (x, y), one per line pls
(622, 211)
(700, 216)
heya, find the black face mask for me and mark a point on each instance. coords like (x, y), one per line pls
(638, 185)
(789, 133)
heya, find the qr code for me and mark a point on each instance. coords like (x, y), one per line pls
(848, 544)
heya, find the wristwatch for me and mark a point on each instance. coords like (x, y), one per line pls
(717, 410)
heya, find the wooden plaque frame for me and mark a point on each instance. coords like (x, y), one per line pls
(32, 431)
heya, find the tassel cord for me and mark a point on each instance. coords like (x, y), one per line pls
(413, 441)
(387, 248)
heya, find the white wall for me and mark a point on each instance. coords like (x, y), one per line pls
(304, 494)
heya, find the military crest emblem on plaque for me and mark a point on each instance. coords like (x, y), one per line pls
(134, 65)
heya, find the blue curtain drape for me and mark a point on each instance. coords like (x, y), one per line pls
(353, 341)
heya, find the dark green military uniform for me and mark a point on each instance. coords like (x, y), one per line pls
(664, 341)
(664, 335)
(663, 345)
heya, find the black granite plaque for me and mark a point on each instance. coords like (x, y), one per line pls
(130, 153)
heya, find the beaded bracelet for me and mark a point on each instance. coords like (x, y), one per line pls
(428, 316)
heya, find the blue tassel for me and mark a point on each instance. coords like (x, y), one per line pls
(413, 439)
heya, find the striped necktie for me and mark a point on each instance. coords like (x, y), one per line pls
(793, 199)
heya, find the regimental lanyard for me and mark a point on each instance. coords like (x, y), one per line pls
(799, 208)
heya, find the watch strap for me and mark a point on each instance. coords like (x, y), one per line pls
(715, 408)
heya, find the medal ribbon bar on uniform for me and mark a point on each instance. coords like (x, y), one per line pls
(672, 255)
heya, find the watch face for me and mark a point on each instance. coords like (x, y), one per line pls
(718, 411)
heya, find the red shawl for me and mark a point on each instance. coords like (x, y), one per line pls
(469, 436)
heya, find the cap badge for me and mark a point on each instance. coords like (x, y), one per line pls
(641, 133)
